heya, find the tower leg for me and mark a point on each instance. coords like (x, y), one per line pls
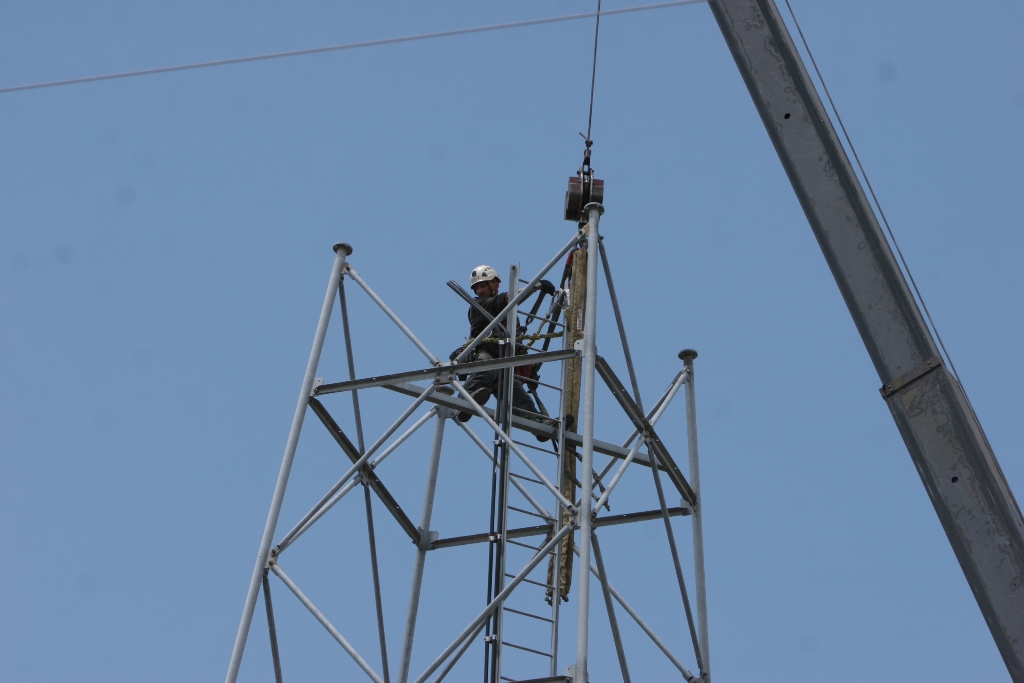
(587, 474)
(341, 252)
(687, 357)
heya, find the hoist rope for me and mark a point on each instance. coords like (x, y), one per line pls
(878, 205)
(593, 70)
(346, 46)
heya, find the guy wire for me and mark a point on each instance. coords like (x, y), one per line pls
(881, 213)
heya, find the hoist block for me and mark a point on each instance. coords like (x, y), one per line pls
(583, 189)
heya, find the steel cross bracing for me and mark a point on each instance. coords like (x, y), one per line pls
(538, 528)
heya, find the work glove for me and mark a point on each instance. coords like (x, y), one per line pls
(546, 287)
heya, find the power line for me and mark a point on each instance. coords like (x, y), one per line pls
(346, 46)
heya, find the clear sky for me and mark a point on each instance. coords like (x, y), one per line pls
(165, 242)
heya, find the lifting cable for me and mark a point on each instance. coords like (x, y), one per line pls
(593, 73)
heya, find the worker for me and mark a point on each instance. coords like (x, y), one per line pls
(485, 283)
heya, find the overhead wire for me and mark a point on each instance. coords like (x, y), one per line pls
(349, 46)
(878, 205)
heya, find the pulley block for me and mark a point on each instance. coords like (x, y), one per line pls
(584, 188)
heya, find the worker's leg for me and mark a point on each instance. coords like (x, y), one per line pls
(521, 400)
(480, 384)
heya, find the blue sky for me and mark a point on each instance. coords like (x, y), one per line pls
(165, 242)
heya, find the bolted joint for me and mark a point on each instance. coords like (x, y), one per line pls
(426, 539)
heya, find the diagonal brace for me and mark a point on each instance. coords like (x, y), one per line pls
(372, 480)
(643, 425)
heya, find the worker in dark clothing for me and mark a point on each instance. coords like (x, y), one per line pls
(485, 283)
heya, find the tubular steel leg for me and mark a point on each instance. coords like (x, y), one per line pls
(612, 621)
(421, 552)
(341, 251)
(587, 474)
(351, 365)
(272, 627)
(687, 357)
(376, 585)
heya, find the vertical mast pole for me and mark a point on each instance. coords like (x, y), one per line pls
(594, 211)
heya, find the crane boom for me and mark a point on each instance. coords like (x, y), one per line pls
(944, 437)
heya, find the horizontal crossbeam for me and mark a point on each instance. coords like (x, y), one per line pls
(444, 373)
(525, 532)
(521, 423)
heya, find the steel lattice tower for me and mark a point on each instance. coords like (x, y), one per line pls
(536, 515)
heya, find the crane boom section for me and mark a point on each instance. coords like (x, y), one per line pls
(957, 465)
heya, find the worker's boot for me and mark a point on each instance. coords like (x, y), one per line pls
(481, 395)
(568, 423)
(550, 422)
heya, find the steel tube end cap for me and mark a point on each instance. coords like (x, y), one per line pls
(343, 246)
(594, 205)
(687, 355)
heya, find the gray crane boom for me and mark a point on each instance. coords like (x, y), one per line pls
(957, 466)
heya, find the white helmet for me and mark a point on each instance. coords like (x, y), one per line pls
(482, 274)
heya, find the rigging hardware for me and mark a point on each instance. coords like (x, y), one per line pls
(584, 188)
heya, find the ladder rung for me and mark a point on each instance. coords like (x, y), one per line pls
(525, 478)
(528, 512)
(534, 447)
(527, 614)
(528, 649)
(535, 583)
(527, 545)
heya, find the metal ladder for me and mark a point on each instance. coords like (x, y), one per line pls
(516, 650)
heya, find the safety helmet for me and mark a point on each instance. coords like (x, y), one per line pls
(482, 274)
